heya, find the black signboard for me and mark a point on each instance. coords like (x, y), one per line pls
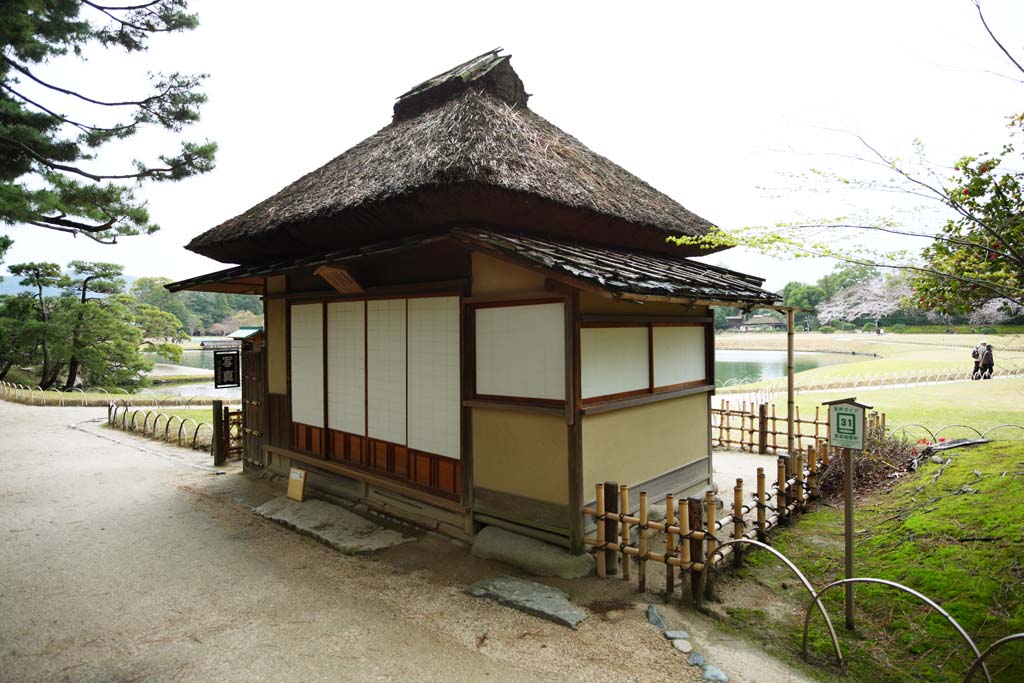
(226, 369)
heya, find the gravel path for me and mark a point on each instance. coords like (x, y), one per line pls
(127, 560)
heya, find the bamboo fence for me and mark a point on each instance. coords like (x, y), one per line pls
(757, 428)
(693, 528)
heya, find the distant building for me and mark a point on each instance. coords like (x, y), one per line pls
(762, 322)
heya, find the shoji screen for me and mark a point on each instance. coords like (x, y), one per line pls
(678, 355)
(434, 379)
(614, 360)
(385, 396)
(346, 367)
(307, 364)
(520, 351)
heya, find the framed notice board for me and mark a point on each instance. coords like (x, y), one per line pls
(226, 369)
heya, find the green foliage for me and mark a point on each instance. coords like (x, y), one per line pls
(843, 326)
(898, 328)
(868, 327)
(987, 330)
(826, 329)
(200, 311)
(47, 180)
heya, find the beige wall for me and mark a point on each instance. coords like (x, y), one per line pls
(277, 363)
(636, 444)
(492, 276)
(592, 303)
(525, 454)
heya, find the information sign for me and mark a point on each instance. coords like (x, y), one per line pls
(846, 426)
(226, 369)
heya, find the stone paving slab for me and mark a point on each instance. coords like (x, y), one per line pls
(344, 531)
(530, 597)
(532, 556)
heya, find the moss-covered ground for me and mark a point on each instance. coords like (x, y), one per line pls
(959, 539)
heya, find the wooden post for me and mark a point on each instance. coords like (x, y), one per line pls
(848, 504)
(220, 455)
(611, 528)
(789, 381)
(761, 501)
(798, 483)
(812, 471)
(737, 522)
(883, 424)
(599, 505)
(780, 502)
(624, 539)
(696, 547)
(823, 452)
(711, 544)
(642, 532)
(684, 544)
(670, 545)
(762, 428)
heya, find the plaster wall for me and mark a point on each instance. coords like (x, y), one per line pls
(594, 304)
(493, 276)
(525, 454)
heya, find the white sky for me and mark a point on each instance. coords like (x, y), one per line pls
(710, 102)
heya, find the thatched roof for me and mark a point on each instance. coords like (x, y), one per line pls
(463, 147)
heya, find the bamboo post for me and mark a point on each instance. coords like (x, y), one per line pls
(624, 510)
(790, 402)
(812, 471)
(727, 421)
(823, 452)
(762, 428)
(220, 448)
(611, 527)
(780, 502)
(670, 545)
(737, 522)
(799, 428)
(711, 544)
(817, 418)
(775, 431)
(798, 483)
(761, 500)
(883, 424)
(599, 505)
(696, 547)
(684, 544)
(642, 559)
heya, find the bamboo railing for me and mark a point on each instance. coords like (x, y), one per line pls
(755, 427)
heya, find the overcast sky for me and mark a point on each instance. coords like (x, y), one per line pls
(713, 103)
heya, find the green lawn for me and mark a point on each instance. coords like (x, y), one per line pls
(963, 550)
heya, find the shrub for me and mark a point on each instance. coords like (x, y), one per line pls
(869, 328)
(988, 330)
(844, 326)
(826, 329)
(898, 328)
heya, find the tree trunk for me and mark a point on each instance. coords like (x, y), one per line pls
(75, 337)
(6, 369)
(46, 331)
(47, 381)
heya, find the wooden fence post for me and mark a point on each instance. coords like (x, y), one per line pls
(762, 428)
(642, 542)
(624, 542)
(599, 505)
(812, 471)
(684, 545)
(761, 501)
(219, 446)
(780, 493)
(710, 546)
(737, 522)
(696, 547)
(670, 545)
(798, 482)
(611, 528)
(823, 452)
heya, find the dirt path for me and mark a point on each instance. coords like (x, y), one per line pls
(126, 560)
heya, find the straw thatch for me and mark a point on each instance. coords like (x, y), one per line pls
(449, 163)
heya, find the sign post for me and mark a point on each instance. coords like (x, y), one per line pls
(846, 431)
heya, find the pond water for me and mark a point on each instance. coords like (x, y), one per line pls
(730, 366)
(734, 366)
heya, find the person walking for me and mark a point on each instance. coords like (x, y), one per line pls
(976, 354)
(988, 362)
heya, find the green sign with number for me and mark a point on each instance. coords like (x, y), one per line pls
(846, 426)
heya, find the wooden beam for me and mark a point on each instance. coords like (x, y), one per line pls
(340, 278)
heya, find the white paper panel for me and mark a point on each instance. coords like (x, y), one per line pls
(520, 351)
(346, 367)
(614, 360)
(434, 393)
(307, 349)
(678, 355)
(385, 338)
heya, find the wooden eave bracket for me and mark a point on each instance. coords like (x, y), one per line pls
(340, 278)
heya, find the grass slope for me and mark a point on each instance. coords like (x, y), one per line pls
(959, 540)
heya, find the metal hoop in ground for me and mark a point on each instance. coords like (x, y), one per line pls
(980, 661)
(910, 591)
(803, 579)
(945, 427)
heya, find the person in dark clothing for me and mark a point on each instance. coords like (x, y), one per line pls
(976, 354)
(987, 363)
